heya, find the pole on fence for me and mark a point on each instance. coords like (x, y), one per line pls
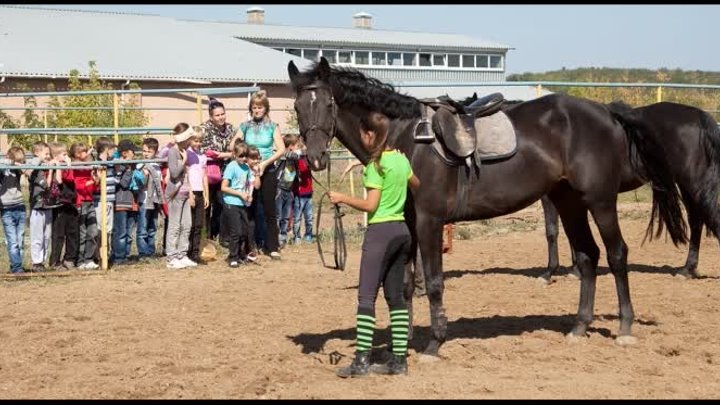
(45, 123)
(352, 184)
(198, 101)
(116, 116)
(659, 94)
(103, 220)
(538, 90)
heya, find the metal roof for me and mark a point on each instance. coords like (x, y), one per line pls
(49, 43)
(353, 36)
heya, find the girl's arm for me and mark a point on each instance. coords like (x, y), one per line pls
(225, 188)
(279, 149)
(206, 189)
(367, 205)
(414, 183)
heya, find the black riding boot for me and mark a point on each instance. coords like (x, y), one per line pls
(358, 368)
(396, 365)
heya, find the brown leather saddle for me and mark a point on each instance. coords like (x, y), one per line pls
(466, 135)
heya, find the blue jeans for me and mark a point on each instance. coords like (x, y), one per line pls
(284, 204)
(13, 220)
(146, 230)
(258, 214)
(303, 206)
(122, 236)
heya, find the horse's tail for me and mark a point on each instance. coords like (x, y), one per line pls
(643, 145)
(710, 187)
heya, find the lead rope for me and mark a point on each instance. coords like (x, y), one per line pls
(339, 245)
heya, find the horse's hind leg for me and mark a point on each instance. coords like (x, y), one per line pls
(552, 231)
(575, 222)
(696, 225)
(605, 215)
(551, 234)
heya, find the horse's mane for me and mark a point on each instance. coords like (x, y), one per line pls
(351, 87)
(619, 106)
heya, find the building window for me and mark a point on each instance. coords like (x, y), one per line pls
(344, 56)
(409, 59)
(293, 51)
(379, 59)
(468, 61)
(329, 54)
(496, 61)
(438, 60)
(394, 59)
(312, 54)
(362, 57)
(482, 61)
(425, 59)
(453, 60)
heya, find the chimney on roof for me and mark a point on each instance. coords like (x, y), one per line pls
(255, 15)
(362, 20)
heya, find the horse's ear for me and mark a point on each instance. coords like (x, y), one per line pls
(474, 95)
(292, 71)
(324, 68)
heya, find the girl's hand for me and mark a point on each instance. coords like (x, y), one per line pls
(206, 202)
(335, 197)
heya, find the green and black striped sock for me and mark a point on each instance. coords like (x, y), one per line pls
(399, 324)
(365, 330)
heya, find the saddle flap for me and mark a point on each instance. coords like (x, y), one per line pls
(456, 132)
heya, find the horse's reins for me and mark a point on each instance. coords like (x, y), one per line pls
(339, 245)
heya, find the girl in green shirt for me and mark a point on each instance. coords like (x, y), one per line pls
(386, 247)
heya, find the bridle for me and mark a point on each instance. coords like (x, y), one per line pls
(339, 245)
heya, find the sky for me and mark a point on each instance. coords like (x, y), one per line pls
(544, 37)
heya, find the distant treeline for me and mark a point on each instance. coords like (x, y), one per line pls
(708, 100)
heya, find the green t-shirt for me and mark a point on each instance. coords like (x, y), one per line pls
(393, 184)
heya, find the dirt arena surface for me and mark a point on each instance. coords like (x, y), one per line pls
(271, 331)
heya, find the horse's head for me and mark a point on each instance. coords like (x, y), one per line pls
(316, 112)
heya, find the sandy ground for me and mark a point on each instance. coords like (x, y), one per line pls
(274, 330)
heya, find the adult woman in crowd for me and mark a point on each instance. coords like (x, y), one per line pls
(261, 132)
(216, 145)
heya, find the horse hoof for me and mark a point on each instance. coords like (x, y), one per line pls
(573, 338)
(427, 358)
(626, 340)
(687, 275)
(545, 281)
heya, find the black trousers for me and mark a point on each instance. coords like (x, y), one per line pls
(65, 232)
(239, 231)
(268, 191)
(213, 214)
(385, 251)
(197, 214)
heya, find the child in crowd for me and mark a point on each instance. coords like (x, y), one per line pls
(151, 201)
(239, 182)
(126, 205)
(104, 151)
(286, 172)
(199, 193)
(42, 203)
(302, 192)
(12, 208)
(65, 229)
(177, 193)
(85, 182)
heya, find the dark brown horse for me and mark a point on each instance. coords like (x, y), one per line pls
(571, 149)
(691, 140)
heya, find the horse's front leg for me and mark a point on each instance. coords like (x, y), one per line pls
(429, 234)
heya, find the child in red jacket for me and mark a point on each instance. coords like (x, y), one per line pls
(85, 183)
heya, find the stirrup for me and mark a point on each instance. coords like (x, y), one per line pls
(422, 132)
